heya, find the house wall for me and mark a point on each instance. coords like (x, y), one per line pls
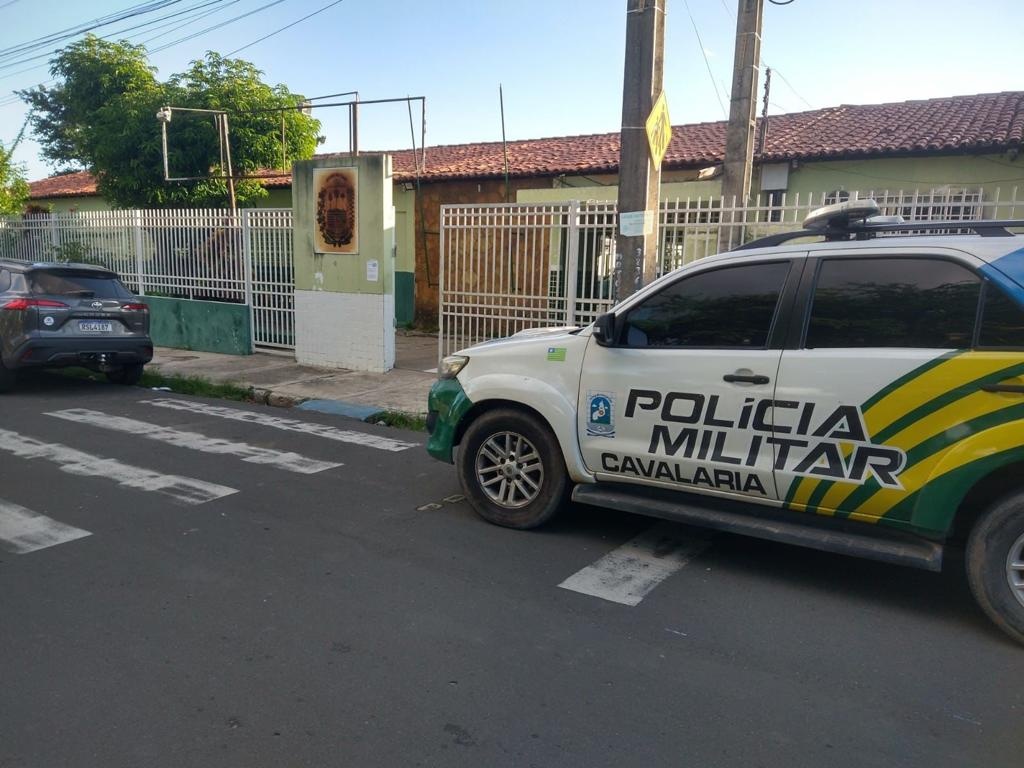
(989, 172)
(428, 229)
(276, 198)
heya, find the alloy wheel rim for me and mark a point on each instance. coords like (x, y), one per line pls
(509, 470)
(1015, 569)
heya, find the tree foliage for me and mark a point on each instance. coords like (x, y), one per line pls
(101, 115)
(13, 187)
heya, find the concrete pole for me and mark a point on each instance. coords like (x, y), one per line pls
(739, 138)
(639, 180)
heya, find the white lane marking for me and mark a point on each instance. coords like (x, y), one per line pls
(23, 531)
(293, 462)
(77, 462)
(290, 425)
(626, 575)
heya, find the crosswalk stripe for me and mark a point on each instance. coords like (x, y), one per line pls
(79, 463)
(280, 422)
(626, 575)
(196, 441)
(23, 531)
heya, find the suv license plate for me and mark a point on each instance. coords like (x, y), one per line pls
(93, 326)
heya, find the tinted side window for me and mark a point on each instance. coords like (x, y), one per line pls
(730, 307)
(897, 302)
(5, 280)
(1002, 320)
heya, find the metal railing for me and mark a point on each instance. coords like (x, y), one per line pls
(507, 267)
(242, 257)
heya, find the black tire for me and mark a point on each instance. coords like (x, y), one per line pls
(8, 378)
(524, 492)
(128, 374)
(995, 543)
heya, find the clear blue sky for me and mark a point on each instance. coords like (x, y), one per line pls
(560, 61)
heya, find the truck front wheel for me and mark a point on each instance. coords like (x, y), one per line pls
(995, 564)
(511, 469)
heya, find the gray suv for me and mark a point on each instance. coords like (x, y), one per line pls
(60, 315)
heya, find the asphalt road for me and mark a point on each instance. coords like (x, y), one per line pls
(263, 593)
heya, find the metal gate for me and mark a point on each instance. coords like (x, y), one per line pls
(508, 267)
(267, 238)
(512, 266)
(243, 256)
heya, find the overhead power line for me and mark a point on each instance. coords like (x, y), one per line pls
(764, 63)
(80, 29)
(215, 26)
(707, 63)
(287, 26)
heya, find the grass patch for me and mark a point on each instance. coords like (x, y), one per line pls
(196, 385)
(416, 422)
(182, 385)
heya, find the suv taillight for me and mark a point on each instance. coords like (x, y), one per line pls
(26, 303)
(135, 308)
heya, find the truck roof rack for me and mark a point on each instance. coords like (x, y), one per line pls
(860, 220)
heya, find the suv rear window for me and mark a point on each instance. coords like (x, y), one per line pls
(87, 285)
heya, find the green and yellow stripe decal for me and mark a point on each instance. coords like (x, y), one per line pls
(927, 413)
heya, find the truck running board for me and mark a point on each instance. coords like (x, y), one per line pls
(802, 529)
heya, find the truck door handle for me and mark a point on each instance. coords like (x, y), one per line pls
(1017, 389)
(734, 378)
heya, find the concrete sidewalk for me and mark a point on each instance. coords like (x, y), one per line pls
(277, 378)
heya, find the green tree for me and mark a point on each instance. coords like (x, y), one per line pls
(13, 187)
(101, 115)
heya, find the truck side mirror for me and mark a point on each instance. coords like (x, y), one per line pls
(604, 329)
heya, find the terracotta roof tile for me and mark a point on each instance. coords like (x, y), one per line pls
(988, 122)
(65, 185)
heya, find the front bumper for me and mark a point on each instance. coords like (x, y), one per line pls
(90, 353)
(446, 407)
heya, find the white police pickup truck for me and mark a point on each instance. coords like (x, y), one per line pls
(863, 394)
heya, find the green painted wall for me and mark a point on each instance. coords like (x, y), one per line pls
(669, 191)
(206, 326)
(73, 204)
(405, 255)
(908, 174)
(345, 273)
(276, 198)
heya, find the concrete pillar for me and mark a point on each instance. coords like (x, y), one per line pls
(344, 263)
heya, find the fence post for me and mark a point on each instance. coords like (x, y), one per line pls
(441, 327)
(137, 238)
(572, 256)
(54, 237)
(247, 270)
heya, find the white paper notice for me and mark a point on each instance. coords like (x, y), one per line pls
(636, 223)
(372, 270)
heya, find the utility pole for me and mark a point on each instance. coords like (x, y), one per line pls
(639, 175)
(739, 137)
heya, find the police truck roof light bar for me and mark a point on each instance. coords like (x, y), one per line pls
(860, 220)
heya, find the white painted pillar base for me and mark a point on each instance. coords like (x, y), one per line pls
(354, 331)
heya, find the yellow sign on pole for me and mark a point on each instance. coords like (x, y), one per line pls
(659, 130)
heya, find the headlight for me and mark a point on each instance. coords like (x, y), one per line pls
(451, 365)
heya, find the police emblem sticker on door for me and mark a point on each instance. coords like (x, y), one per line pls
(600, 414)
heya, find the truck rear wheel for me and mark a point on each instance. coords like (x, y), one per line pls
(511, 469)
(995, 564)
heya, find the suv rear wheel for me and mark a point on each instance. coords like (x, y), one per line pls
(511, 469)
(995, 564)
(126, 374)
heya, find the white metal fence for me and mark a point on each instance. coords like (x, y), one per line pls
(507, 267)
(243, 257)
